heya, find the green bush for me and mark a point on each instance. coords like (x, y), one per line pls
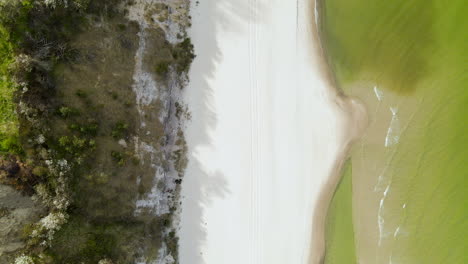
(120, 130)
(10, 144)
(66, 112)
(75, 146)
(89, 129)
(118, 157)
(80, 241)
(81, 93)
(184, 54)
(162, 68)
(9, 133)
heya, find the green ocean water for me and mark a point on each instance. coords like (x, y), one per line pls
(417, 53)
(340, 223)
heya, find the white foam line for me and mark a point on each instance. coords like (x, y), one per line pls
(381, 220)
(394, 129)
(378, 93)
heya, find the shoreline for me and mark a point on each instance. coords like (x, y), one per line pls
(259, 169)
(354, 120)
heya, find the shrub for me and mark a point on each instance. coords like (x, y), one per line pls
(75, 145)
(184, 54)
(162, 68)
(78, 143)
(66, 112)
(92, 144)
(81, 93)
(118, 157)
(89, 129)
(120, 130)
(64, 141)
(121, 27)
(114, 95)
(10, 144)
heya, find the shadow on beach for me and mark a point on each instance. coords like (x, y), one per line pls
(200, 186)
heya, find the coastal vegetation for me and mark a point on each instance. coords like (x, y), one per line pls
(68, 130)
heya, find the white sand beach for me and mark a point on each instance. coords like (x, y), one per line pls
(267, 136)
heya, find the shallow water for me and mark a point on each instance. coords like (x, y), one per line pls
(406, 60)
(339, 229)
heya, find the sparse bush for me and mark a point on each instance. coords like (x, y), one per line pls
(120, 130)
(183, 54)
(118, 157)
(10, 144)
(114, 95)
(66, 112)
(89, 129)
(121, 27)
(92, 144)
(75, 146)
(81, 93)
(64, 141)
(162, 68)
(78, 143)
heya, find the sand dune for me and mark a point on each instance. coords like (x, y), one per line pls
(267, 136)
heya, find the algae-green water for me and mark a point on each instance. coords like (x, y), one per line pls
(407, 60)
(340, 245)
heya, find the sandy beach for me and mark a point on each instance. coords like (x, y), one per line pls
(267, 138)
